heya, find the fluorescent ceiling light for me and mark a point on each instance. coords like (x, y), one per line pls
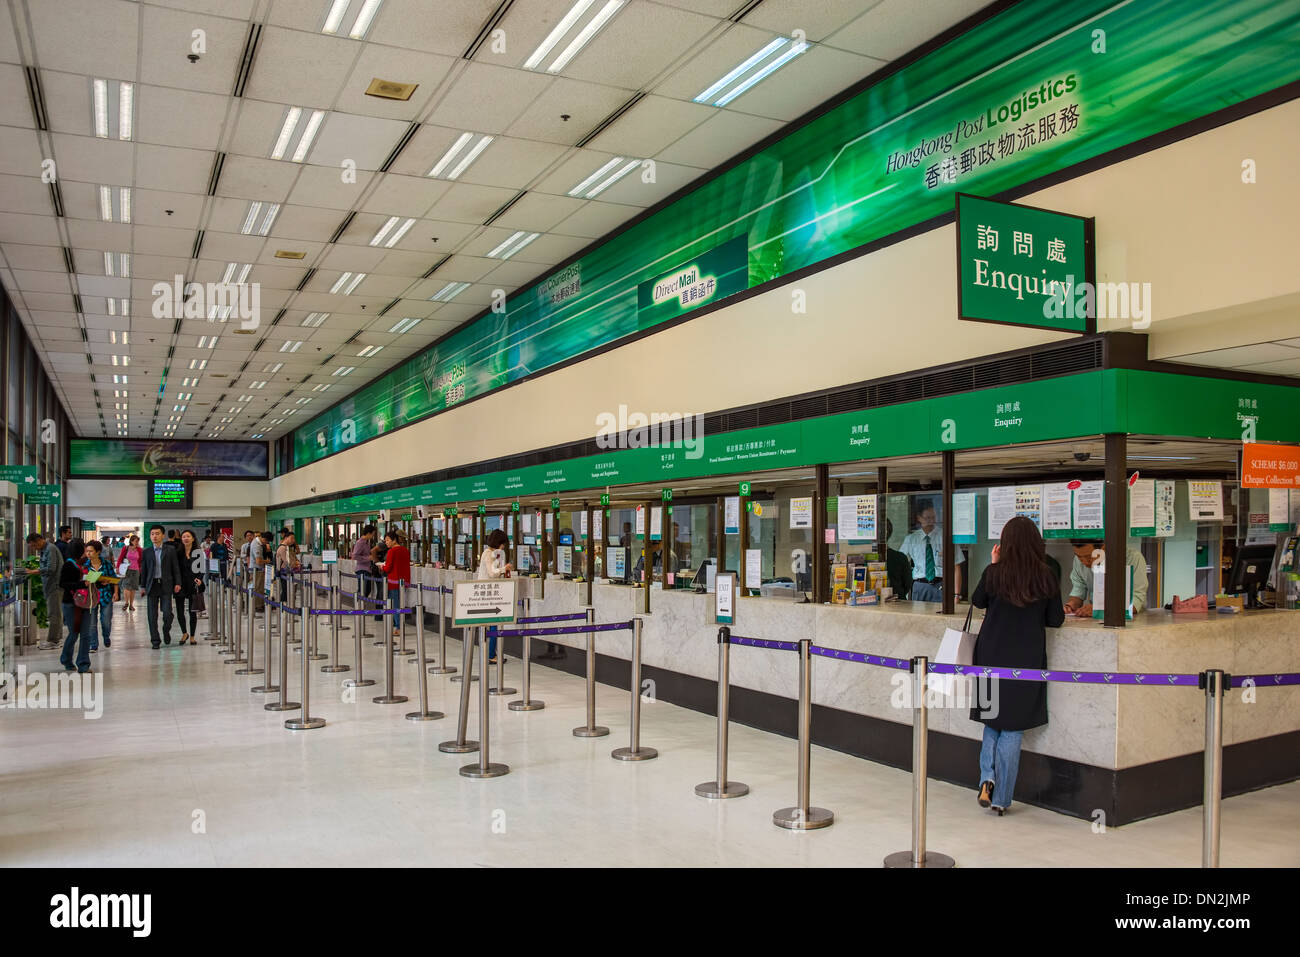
(198, 363)
(367, 351)
(322, 387)
(512, 245)
(290, 126)
(178, 408)
(761, 55)
(606, 184)
(309, 134)
(245, 398)
(362, 24)
(768, 53)
(451, 154)
(101, 93)
(335, 16)
(273, 367)
(184, 396)
(396, 237)
(229, 275)
(124, 203)
(315, 319)
(449, 292)
(125, 98)
(564, 26)
(583, 186)
(610, 8)
(470, 157)
(291, 345)
(261, 384)
(286, 131)
(265, 211)
(305, 399)
(188, 381)
(123, 198)
(772, 67)
(404, 325)
(347, 282)
(344, 370)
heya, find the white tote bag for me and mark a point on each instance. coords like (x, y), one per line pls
(956, 648)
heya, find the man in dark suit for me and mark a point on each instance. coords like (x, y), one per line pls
(160, 579)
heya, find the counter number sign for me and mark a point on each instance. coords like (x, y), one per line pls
(604, 499)
(744, 488)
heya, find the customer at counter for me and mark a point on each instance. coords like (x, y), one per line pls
(924, 548)
(898, 567)
(1089, 552)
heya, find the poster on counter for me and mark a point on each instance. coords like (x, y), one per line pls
(1204, 500)
(460, 554)
(1142, 508)
(724, 599)
(1278, 510)
(1029, 503)
(753, 567)
(640, 520)
(801, 513)
(856, 518)
(564, 558)
(656, 524)
(1058, 510)
(1165, 491)
(618, 563)
(731, 515)
(1002, 508)
(963, 518)
(1088, 515)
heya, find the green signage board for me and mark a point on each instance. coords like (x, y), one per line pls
(42, 494)
(1024, 266)
(604, 499)
(20, 475)
(710, 276)
(1022, 95)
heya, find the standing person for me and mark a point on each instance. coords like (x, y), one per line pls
(898, 567)
(65, 536)
(190, 557)
(256, 564)
(130, 557)
(492, 564)
(160, 574)
(286, 562)
(245, 558)
(101, 617)
(51, 567)
(1023, 599)
(79, 600)
(924, 547)
(1092, 551)
(377, 555)
(222, 554)
(396, 567)
(361, 558)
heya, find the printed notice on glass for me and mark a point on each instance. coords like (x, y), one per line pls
(1002, 509)
(753, 567)
(1204, 500)
(582, 523)
(640, 519)
(963, 518)
(1142, 508)
(467, 526)
(1057, 515)
(1165, 491)
(731, 515)
(801, 513)
(550, 521)
(1029, 503)
(528, 523)
(598, 526)
(1087, 507)
(856, 517)
(564, 558)
(1278, 502)
(656, 524)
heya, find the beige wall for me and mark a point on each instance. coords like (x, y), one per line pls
(1179, 218)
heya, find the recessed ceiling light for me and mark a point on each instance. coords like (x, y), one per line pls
(115, 204)
(259, 218)
(605, 177)
(290, 126)
(512, 245)
(236, 268)
(198, 363)
(404, 325)
(367, 351)
(184, 396)
(337, 11)
(117, 265)
(102, 94)
(324, 386)
(451, 155)
(291, 345)
(449, 292)
(314, 319)
(765, 62)
(343, 370)
(261, 384)
(567, 23)
(347, 282)
(272, 367)
(397, 235)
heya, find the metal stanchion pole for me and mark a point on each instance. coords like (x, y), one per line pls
(388, 697)
(293, 591)
(304, 721)
(442, 668)
(283, 704)
(1214, 682)
(424, 714)
(804, 817)
(266, 687)
(526, 703)
(634, 751)
(233, 649)
(501, 665)
(918, 856)
(383, 639)
(402, 587)
(214, 618)
(591, 729)
(311, 630)
(334, 606)
(461, 745)
(359, 638)
(483, 768)
(720, 787)
(249, 668)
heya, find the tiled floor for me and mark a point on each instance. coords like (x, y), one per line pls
(186, 768)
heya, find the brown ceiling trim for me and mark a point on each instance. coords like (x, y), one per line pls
(246, 58)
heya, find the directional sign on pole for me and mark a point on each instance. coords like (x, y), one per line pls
(42, 494)
(20, 475)
(487, 602)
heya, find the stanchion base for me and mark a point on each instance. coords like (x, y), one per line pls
(424, 715)
(497, 692)
(932, 859)
(521, 705)
(585, 732)
(304, 724)
(235, 661)
(335, 669)
(795, 819)
(379, 644)
(403, 651)
(318, 657)
(627, 754)
(462, 678)
(442, 670)
(250, 671)
(427, 661)
(390, 699)
(295, 641)
(491, 771)
(710, 790)
(454, 747)
(358, 682)
(264, 689)
(287, 706)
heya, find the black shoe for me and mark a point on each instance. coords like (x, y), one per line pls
(167, 641)
(155, 646)
(986, 794)
(108, 642)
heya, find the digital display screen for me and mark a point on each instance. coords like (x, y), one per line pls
(145, 458)
(566, 539)
(171, 493)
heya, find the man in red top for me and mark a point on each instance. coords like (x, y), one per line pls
(397, 567)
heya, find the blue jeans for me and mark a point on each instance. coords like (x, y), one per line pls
(1000, 763)
(927, 591)
(492, 644)
(100, 625)
(82, 633)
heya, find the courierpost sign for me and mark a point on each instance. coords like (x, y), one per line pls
(1024, 266)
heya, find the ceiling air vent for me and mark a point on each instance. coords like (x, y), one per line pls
(390, 89)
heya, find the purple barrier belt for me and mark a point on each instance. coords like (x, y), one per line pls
(429, 588)
(359, 611)
(320, 587)
(764, 643)
(538, 619)
(566, 630)
(291, 611)
(1266, 680)
(860, 657)
(1068, 677)
(373, 601)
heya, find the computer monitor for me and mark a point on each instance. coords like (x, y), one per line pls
(1250, 569)
(702, 577)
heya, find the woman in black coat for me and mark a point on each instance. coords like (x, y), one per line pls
(1023, 600)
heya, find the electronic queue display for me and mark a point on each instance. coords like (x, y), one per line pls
(171, 493)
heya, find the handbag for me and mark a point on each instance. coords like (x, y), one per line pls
(955, 648)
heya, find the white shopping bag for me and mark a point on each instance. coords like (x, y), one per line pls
(956, 648)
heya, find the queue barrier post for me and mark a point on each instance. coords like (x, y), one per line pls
(918, 856)
(383, 639)
(483, 768)
(266, 687)
(1214, 682)
(312, 631)
(804, 817)
(500, 688)
(460, 745)
(283, 704)
(526, 703)
(359, 640)
(251, 647)
(634, 751)
(720, 788)
(442, 668)
(238, 614)
(402, 587)
(482, 665)
(388, 697)
(591, 729)
(214, 619)
(418, 589)
(424, 714)
(334, 605)
(304, 721)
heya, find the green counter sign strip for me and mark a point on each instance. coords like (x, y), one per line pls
(42, 494)
(1020, 96)
(1024, 266)
(20, 475)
